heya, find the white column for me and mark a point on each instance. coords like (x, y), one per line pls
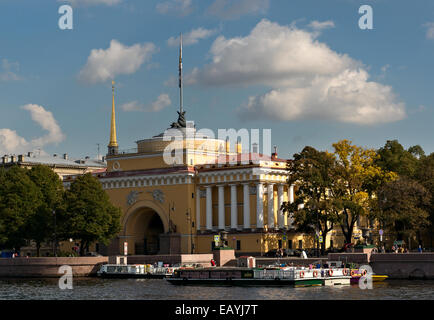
(291, 200)
(209, 207)
(197, 208)
(281, 217)
(221, 207)
(270, 189)
(291, 194)
(246, 206)
(234, 208)
(259, 205)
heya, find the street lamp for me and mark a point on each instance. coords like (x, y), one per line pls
(188, 214)
(55, 235)
(171, 208)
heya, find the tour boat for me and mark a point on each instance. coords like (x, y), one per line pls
(135, 271)
(283, 276)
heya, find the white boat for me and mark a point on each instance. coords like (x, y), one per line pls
(269, 276)
(134, 271)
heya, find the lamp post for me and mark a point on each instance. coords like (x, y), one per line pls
(188, 214)
(319, 229)
(171, 208)
(55, 235)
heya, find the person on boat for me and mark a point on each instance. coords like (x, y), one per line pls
(419, 249)
(303, 254)
(213, 263)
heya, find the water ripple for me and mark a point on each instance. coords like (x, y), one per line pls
(157, 289)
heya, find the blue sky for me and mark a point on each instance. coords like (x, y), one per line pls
(302, 68)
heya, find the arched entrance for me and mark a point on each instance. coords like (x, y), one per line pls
(143, 229)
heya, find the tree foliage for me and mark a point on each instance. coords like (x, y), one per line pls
(19, 199)
(90, 216)
(40, 225)
(404, 207)
(312, 173)
(393, 157)
(357, 178)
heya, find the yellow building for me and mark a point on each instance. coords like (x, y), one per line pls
(178, 206)
(179, 189)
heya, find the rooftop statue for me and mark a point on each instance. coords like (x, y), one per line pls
(181, 123)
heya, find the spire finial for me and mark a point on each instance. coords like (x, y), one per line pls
(113, 144)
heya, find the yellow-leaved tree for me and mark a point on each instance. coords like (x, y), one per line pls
(356, 180)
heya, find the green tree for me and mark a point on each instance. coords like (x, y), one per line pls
(89, 214)
(403, 205)
(40, 226)
(393, 157)
(311, 172)
(19, 199)
(425, 176)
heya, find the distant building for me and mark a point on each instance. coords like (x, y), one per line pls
(62, 165)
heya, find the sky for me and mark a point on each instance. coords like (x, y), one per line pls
(302, 68)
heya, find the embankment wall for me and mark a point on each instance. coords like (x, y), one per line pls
(46, 267)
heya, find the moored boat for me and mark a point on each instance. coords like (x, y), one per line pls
(357, 274)
(284, 276)
(134, 271)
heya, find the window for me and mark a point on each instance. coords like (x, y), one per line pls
(300, 244)
(212, 245)
(280, 244)
(238, 244)
(289, 244)
(331, 243)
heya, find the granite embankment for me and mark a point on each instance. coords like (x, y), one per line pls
(47, 267)
(395, 265)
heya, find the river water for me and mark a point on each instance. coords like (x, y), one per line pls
(160, 289)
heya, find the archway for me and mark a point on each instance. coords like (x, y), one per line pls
(143, 228)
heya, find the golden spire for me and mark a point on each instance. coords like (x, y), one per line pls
(113, 141)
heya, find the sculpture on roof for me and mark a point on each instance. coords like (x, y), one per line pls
(181, 123)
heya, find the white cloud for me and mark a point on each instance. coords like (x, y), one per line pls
(117, 59)
(273, 55)
(9, 70)
(132, 106)
(320, 25)
(233, 9)
(430, 30)
(46, 120)
(91, 2)
(162, 102)
(178, 7)
(347, 97)
(11, 142)
(192, 37)
(307, 79)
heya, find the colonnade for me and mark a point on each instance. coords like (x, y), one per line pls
(233, 223)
